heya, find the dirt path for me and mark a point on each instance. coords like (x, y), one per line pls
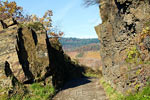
(82, 89)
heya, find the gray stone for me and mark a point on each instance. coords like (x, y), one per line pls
(122, 23)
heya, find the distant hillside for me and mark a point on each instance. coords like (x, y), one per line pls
(73, 44)
(88, 47)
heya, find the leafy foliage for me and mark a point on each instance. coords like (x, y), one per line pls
(45, 20)
(55, 32)
(45, 23)
(37, 26)
(10, 9)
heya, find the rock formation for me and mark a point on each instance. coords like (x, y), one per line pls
(8, 54)
(27, 57)
(124, 54)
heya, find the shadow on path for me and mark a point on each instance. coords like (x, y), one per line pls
(76, 83)
(82, 89)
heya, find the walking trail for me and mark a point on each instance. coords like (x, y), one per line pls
(82, 89)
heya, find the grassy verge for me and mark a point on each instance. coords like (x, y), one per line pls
(142, 95)
(39, 92)
(3, 97)
(91, 75)
(36, 91)
(114, 95)
(89, 72)
(111, 93)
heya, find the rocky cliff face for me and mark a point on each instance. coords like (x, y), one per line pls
(23, 56)
(8, 55)
(62, 68)
(125, 43)
(27, 57)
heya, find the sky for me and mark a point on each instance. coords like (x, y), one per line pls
(70, 16)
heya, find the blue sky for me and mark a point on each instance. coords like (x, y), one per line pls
(71, 16)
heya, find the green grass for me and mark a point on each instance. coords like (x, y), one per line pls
(114, 95)
(36, 91)
(91, 75)
(16, 97)
(39, 92)
(110, 92)
(3, 97)
(142, 95)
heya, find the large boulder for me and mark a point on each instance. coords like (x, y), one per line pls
(122, 23)
(27, 56)
(28, 59)
(32, 55)
(8, 51)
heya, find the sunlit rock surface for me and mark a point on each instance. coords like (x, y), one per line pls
(119, 33)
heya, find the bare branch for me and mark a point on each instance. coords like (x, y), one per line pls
(88, 3)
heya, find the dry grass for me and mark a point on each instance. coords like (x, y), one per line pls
(90, 58)
(72, 54)
(92, 54)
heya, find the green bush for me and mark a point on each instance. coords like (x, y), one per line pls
(37, 26)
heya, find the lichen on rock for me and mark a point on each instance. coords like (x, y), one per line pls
(122, 22)
(28, 57)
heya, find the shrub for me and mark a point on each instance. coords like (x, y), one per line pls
(37, 26)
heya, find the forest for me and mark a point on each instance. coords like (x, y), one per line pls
(76, 43)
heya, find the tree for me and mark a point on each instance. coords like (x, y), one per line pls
(47, 24)
(10, 9)
(88, 3)
(45, 20)
(55, 32)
